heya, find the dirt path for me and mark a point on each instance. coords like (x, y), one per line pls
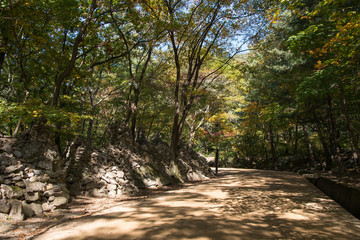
(242, 204)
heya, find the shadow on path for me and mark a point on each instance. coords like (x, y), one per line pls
(241, 204)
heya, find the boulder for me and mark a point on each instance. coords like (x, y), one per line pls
(37, 208)
(28, 211)
(47, 207)
(4, 208)
(17, 154)
(112, 194)
(111, 187)
(13, 168)
(20, 184)
(94, 192)
(59, 201)
(35, 186)
(16, 212)
(32, 196)
(49, 193)
(120, 174)
(46, 165)
(12, 192)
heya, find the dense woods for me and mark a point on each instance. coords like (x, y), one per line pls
(179, 70)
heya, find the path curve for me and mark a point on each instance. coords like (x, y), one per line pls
(241, 204)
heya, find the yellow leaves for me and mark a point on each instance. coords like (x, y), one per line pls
(218, 118)
(319, 65)
(35, 113)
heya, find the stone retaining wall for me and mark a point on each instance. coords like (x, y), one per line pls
(348, 197)
(34, 178)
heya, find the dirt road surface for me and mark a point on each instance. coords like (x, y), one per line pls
(240, 204)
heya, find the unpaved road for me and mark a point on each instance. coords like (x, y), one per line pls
(241, 204)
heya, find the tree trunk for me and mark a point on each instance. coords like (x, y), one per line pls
(296, 138)
(326, 148)
(89, 131)
(134, 111)
(353, 138)
(272, 146)
(79, 38)
(309, 145)
(216, 161)
(334, 144)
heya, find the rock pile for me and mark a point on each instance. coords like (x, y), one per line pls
(124, 166)
(30, 176)
(34, 178)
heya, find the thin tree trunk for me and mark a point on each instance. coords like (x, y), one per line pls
(217, 161)
(309, 145)
(326, 148)
(334, 146)
(134, 112)
(353, 138)
(89, 131)
(272, 146)
(296, 138)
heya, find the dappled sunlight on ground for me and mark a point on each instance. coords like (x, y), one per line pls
(241, 204)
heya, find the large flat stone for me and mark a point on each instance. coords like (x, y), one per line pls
(16, 212)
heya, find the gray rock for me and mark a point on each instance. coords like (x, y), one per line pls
(59, 201)
(17, 154)
(47, 207)
(45, 178)
(20, 184)
(110, 175)
(105, 179)
(12, 192)
(4, 217)
(111, 187)
(49, 193)
(33, 179)
(51, 155)
(16, 212)
(1, 180)
(4, 208)
(118, 193)
(49, 187)
(28, 211)
(37, 172)
(13, 168)
(32, 196)
(17, 178)
(94, 192)
(120, 174)
(60, 188)
(51, 198)
(37, 208)
(35, 187)
(112, 194)
(46, 165)
(195, 176)
(113, 181)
